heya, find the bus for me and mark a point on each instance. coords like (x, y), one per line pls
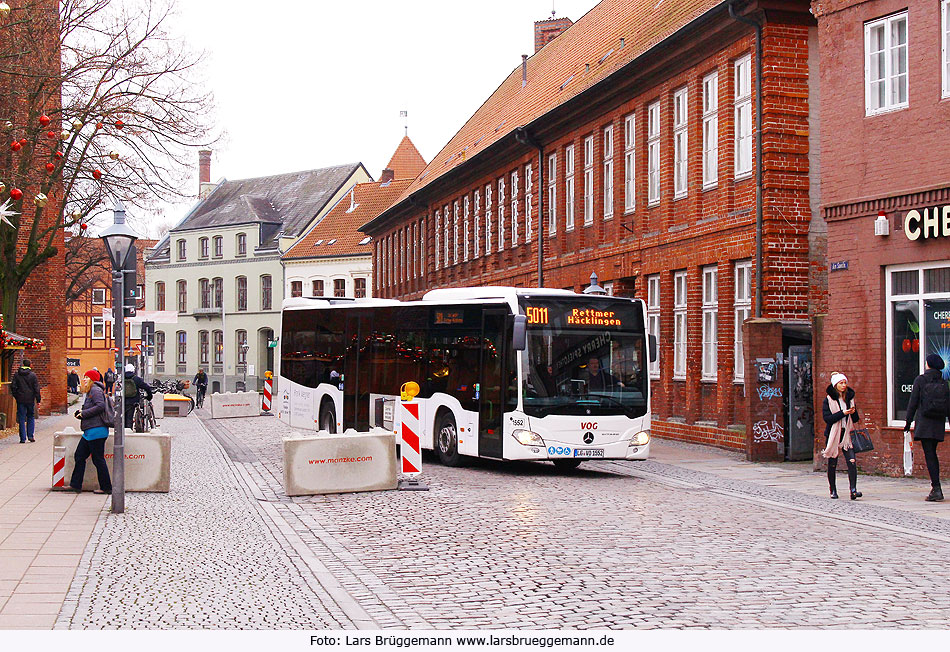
(503, 373)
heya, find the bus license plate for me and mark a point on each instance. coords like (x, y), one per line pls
(588, 452)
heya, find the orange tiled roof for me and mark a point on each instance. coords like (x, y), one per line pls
(558, 72)
(341, 223)
(406, 162)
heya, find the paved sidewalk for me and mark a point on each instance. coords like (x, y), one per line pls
(43, 533)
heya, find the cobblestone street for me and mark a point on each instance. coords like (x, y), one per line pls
(492, 545)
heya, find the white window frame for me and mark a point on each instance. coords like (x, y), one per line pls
(98, 296)
(455, 233)
(501, 213)
(514, 209)
(99, 323)
(653, 153)
(629, 163)
(488, 219)
(446, 232)
(569, 188)
(528, 206)
(204, 247)
(890, 298)
(891, 80)
(181, 246)
(477, 231)
(653, 319)
(465, 213)
(681, 143)
(742, 310)
(743, 116)
(945, 46)
(710, 365)
(552, 195)
(588, 181)
(680, 326)
(438, 241)
(711, 130)
(608, 172)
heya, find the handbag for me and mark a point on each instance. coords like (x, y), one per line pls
(861, 440)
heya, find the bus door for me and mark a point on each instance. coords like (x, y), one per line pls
(350, 371)
(491, 399)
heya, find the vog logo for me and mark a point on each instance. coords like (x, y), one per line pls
(589, 425)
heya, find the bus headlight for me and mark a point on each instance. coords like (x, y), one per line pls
(642, 438)
(528, 438)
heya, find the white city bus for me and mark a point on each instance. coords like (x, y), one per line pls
(505, 373)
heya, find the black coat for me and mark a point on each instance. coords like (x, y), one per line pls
(832, 418)
(141, 385)
(926, 427)
(25, 386)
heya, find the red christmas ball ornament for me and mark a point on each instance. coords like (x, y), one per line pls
(44, 120)
(15, 145)
(58, 155)
(50, 167)
(119, 124)
(98, 125)
(51, 135)
(83, 226)
(23, 141)
(16, 194)
(97, 174)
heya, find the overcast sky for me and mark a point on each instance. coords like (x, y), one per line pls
(304, 84)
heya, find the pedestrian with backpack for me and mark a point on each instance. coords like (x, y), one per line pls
(25, 388)
(130, 393)
(109, 380)
(930, 406)
(96, 418)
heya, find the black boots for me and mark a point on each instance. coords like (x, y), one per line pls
(834, 494)
(935, 496)
(855, 494)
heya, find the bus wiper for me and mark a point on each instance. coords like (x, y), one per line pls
(625, 407)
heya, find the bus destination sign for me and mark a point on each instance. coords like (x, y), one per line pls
(576, 317)
(449, 317)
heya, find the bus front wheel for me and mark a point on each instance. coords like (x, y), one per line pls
(328, 419)
(447, 440)
(567, 465)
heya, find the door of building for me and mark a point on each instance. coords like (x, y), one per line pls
(801, 413)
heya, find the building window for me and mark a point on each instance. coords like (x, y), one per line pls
(501, 214)
(629, 163)
(241, 244)
(203, 247)
(743, 85)
(359, 288)
(552, 194)
(608, 171)
(296, 288)
(488, 219)
(182, 296)
(160, 347)
(218, 337)
(918, 320)
(710, 322)
(653, 318)
(466, 206)
(203, 347)
(588, 181)
(455, 233)
(446, 243)
(569, 188)
(945, 46)
(679, 325)
(160, 295)
(680, 143)
(710, 130)
(218, 289)
(514, 209)
(653, 154)
(204, 293)
(98, 328)
(885, 48)
(743, 309)
(317, 288)
(98, 296)
(476, 218)
(182, 338)
(438, 228)
(242, 293)
(242, 348)
(182, 250)
(528, 207)
(339, 287)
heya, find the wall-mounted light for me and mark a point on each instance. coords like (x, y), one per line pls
(881, 225)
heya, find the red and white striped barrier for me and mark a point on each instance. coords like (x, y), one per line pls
(410, 449)
(268, 391)
(59, 466)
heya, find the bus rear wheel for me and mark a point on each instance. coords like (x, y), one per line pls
(328, 419)
(447, 440)
(567, 465)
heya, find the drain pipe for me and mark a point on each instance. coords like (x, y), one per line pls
(524, 137)
(757, 26)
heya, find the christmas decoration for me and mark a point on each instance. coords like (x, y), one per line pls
(58, 155)
(23, 141)
(77, 124)
(44, 120)
(15, 145)
(40, 200)
(3, 187)
(114, 155)
(97, 174)
(119, 124)
(4, 10)
(6, 212)
(77, 214)
(50, 167)
(16, 194)
(98, 125)
(64, 135)
(51, 135)
(7, 126)
(83, 227)
(7, 338)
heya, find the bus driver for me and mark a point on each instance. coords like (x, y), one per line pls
(599, 379)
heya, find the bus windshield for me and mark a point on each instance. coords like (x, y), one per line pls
(584, 357)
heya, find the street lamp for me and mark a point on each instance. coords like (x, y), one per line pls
(593, 288)
(118, 240)
(244, 349)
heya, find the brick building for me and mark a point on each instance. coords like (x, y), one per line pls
(885, 79)
(632, 135)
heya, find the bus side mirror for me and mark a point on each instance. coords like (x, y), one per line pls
(653, 352)
(519, 335)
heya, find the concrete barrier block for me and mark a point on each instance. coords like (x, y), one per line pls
(176, 405)
(147, 460)
(235, 404)
(339, 463)
(158, 405)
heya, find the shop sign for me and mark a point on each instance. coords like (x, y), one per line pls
(927, 223)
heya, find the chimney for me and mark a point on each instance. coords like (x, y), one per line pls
(524, 70)
(546, 31)
(387, 175)
(204, 173)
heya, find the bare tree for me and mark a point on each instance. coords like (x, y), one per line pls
(103, 104)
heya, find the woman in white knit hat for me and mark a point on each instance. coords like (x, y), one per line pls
(840, 416)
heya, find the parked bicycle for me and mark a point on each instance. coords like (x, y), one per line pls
(174, 387)
(143, 420)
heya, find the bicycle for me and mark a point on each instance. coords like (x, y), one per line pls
(200, 400)
(143, 419)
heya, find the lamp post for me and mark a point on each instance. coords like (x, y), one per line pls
(244, 349)
(118, 240)
(594, 288)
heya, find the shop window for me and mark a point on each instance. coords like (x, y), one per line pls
(885, 49)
